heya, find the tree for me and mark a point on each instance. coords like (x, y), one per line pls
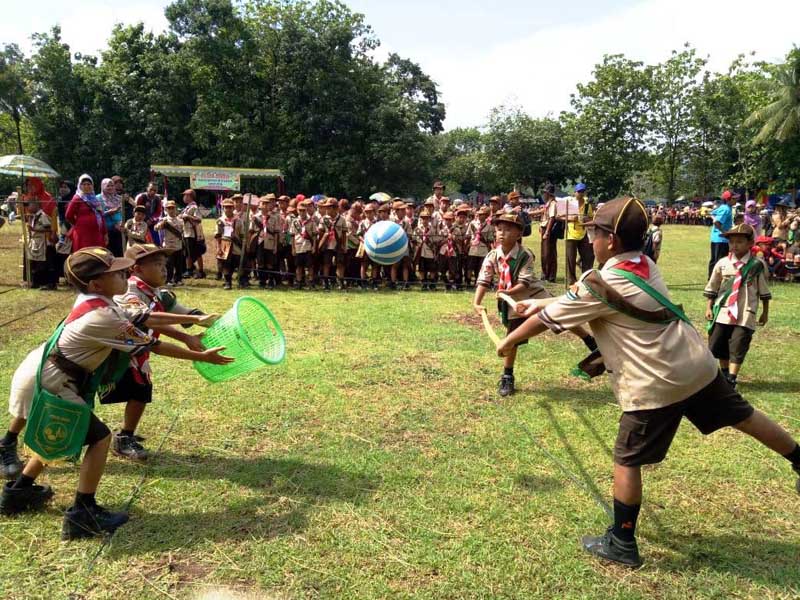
(780, 119)
(15, 99)
(671, 91)
(609, 125)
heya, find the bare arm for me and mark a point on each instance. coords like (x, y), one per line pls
(212, 355)
(160, 319)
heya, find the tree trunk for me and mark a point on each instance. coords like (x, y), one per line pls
(18, 123)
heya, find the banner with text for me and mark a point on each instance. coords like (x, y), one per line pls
(220, 181)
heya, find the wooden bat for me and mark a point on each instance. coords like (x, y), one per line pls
(488, 327)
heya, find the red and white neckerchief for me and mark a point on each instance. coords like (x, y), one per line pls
(449, 248)
(476, 239)
(638, 266)
(733, 298)
(504, 273)
(303, 231)
(332, 230)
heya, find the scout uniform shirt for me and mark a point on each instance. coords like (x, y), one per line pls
(460, 237)
(98, 326)
(650, 365)
(302, 230)
(332, 229)
(192, 222)
(230, 230)
(448, 247)
(141, 298)
(428, 240)
(352, 233)
(520, 270)
(38, 236)
(750, 292)
(172, 236)
(270, 229)
(137, 232)
(481, 236)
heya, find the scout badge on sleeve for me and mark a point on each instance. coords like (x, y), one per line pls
(250, 333)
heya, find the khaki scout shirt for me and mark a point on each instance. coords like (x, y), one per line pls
(524, 271)
(481, 236)
(233, 230)
(302, 231)
(39, 236)
(192, 222)
(352, 232)
(756, 289)
(271, 226)
(650, 365)
(430, 239)
(89, 340)
(172, 228)
(136, 231)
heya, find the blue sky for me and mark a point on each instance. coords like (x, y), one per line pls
(484, 54)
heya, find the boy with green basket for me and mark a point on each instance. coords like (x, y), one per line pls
(90, 348)
(738, 281)
(659, 367)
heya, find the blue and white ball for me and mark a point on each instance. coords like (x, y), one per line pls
(386, 243)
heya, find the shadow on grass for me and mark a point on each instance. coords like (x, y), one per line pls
(762, 560)
(791, 386)
(292, 489)
(538, 483)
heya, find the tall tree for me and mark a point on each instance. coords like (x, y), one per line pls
(15, 98)
(780, 119)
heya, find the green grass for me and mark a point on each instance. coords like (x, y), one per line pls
(377, 461)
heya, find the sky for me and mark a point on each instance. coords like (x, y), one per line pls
(523, 53)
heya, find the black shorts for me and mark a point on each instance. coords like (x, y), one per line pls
(645, 436)
(730, 342)
(97, 431)
(128, 388)
(302, 260)
(512, 325)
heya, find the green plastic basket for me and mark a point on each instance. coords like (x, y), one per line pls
(250, 334)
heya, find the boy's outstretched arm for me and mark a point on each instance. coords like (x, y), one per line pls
(212, 355)
(159, 319)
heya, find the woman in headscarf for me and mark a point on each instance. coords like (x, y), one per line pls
(112, 205)
(85, 213)
(66, 190)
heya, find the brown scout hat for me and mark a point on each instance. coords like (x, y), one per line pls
(444, 199)
(483, 210)
(307, 202)
(283, 198)
(513, 195)
(270, 196)
(741, 229)
(494, 200)
(189, 192)
(425, 213)
(463, 210)
(398, 205)
(237, 197)
(512, 218)
(139, 251)
(448, 216)
(89, 263)
(170, 204)
(384, 208)
(438, 184)
(428, 202)
(625, 217)
(227, 202)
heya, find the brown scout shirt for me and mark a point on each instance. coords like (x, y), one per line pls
(756, 289)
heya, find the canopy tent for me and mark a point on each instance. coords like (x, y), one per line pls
(219, 179)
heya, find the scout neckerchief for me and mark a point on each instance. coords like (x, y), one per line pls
(508, 273)
(449, 247)
(332, 232)
(476, 239)
(733, 298)
(748, 271)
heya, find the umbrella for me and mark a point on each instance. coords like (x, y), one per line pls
(25, 166)
(380, 197)
(708, 203)
(317, 197)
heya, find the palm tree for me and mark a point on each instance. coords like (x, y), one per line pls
(780, 119)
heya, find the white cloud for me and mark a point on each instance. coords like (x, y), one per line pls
(540, 70)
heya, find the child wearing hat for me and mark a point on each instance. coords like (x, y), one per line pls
(330, 239)
(193, 236)
(737, 283)
(481, 236)
(40, 250)
(230, 235)
(267, 222)
(428, 240)
(366, 264)
(170, 226)
(659, 366)
(461, 239)
(91, 348)
(136, 229)
(145, 292)
(512, 264)
(304, 233)
(399, 215)
(448, 256)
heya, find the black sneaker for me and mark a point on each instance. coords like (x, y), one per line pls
(16, 500)
(9, 461)
(506, 386)
(127, 446)
(227, 286)
(610, 547)
(82, 522)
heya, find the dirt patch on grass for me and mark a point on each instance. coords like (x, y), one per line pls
(473, 321)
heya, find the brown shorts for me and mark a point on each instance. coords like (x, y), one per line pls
(645, 435)
(730, 342)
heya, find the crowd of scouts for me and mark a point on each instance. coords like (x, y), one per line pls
(661, 369)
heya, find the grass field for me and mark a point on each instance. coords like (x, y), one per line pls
(378, 461)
